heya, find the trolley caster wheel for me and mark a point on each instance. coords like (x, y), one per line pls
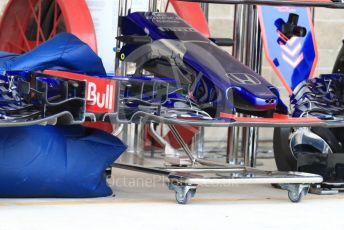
(295, 196)
(108, 173)
(182, 198)
(183, 193)
(296, 191)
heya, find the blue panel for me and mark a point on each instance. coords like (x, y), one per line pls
(294, 57)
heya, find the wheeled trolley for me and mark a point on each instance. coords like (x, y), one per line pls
(184, 181)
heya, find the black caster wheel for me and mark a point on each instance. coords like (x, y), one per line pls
(108, 173)
(182, 198)
(296, 196)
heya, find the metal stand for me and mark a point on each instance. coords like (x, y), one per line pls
(184, 180)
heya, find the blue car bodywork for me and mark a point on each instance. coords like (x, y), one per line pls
(164, 44)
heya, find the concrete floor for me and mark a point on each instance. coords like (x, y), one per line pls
(143, 202)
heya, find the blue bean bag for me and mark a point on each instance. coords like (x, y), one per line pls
(56, 161)
(62, 52)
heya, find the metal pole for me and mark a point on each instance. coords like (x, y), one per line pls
(232, 156)
(205, 7)
(257, 68)
(153, 5)
(120, 67)
(239, 31)
(132, 133)
(198, 143)
(247, 131)
(253, 60)
(240, 15)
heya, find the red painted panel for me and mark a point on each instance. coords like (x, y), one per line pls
(100, 92)
(193, 14)
(277, 118)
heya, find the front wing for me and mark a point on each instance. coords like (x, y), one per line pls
(58, 97)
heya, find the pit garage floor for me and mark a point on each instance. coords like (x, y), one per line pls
(144, 202)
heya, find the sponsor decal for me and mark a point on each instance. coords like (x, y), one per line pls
(291, 50)
(243, 78)
(100, 96)
(100, 92)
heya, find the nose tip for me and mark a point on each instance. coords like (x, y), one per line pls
(270, 101)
